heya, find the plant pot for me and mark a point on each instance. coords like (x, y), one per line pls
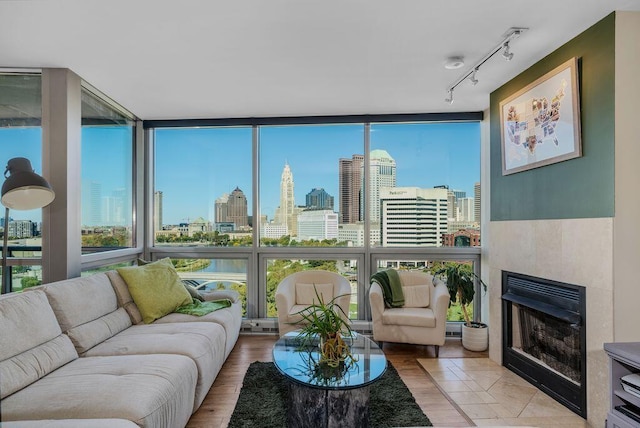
(475, 337)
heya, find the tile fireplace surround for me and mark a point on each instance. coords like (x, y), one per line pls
(575, 251)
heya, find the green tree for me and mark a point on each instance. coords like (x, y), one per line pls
(30, 281)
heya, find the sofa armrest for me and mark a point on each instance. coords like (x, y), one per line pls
(232, 295)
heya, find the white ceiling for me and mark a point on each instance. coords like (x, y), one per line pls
(169, 59)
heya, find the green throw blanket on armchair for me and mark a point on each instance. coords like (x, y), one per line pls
(391, 285)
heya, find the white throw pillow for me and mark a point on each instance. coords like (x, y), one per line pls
(416, 296)
(306, 295)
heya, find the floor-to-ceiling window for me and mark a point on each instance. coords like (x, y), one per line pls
(21, 136)
(348, 197)
(107, 171)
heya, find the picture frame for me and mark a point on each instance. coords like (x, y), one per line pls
(540, 123)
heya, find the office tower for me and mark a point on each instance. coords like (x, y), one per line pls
(285, 214)
(91, 203)
(350, 184)
(476, 201)
(317, 224)
(237, 209)
(382, 172)
(453, 197)
(157, 210)
(413, 217)
(459, 194)
(318, 198)
(220, 208)
(20, 229)
(122, 206)
(353, 234)
(466, 210)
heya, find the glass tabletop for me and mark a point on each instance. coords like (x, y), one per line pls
(301, 363)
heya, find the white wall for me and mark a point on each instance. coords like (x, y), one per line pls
(626, 237)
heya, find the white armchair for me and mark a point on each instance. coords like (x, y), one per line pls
(423, 318)
(296, 292)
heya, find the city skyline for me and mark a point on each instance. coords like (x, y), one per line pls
(213, 161)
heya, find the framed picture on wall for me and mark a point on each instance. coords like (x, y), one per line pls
(540, 124)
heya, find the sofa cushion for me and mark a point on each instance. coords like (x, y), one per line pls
(26, 321)
(156, 289)
(416, 296)
(204, 343)
(306, 293)
(87, 309)
(77, 301)
(31, 343)
(229, 318)
(124, 296)
(26, 368)
(150, 390)
(86, 336)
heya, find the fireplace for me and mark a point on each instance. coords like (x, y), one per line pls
(544, 337)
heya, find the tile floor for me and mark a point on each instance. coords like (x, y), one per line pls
(491, 395)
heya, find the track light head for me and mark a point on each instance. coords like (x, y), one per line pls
(472, 78)
(449, 99)
(506, 54)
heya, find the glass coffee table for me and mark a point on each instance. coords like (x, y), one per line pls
(325, 396)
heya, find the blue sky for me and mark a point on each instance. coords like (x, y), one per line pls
(196, 166)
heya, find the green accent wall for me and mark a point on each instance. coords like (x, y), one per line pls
(577, 188)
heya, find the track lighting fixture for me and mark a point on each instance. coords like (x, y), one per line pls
(504, 46)
(506, 54)
(472, 78)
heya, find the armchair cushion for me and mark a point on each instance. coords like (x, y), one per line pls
(417, 317)
(306, 293)
(416, 296)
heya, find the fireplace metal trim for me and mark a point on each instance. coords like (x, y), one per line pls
(554, 311)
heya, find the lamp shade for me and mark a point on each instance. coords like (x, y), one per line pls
(24, 189)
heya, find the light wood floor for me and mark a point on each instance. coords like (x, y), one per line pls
(218, 406)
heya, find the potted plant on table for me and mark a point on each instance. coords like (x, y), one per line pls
(328, 324)
(461, 281)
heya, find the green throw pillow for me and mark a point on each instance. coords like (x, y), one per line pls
(155, 288)
(190, 288)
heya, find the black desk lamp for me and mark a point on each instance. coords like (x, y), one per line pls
(23, 189)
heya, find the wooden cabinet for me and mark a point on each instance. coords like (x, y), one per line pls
(624, 359)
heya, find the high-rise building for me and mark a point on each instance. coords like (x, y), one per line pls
(91, 203)
(20, 229)
(413, 217)
(350, 187)
(459, 194)
(353, 234)
(220, 209)
(237, 209)
(382, 174)
(273, 230)
(157, 210)
(466, 210)
(286, 212)
(317, 224)
(318, 198)
(476, 202)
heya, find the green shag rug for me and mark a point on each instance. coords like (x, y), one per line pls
(263, 404)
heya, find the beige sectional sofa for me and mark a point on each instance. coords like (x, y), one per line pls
(77, 350)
